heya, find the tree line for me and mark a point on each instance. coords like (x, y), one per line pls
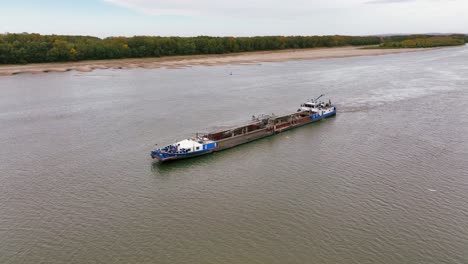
(426, 42)
(34, 48)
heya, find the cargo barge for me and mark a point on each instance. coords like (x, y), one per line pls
(259, 127)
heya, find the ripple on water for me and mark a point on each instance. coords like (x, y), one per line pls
(382, 182)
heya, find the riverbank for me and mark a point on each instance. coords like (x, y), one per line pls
(208, 60)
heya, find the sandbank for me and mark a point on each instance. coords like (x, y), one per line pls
(178, 62)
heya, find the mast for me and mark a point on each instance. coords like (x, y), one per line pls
(318, 97)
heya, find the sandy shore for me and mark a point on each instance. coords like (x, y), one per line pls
(188, 61)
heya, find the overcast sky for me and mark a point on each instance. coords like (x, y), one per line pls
(233, 18)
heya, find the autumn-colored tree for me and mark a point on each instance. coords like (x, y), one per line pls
(438, 41)
(29, 48)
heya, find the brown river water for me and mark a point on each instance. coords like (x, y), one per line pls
(385, 181)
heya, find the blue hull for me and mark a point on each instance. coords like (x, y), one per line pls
(164, 157)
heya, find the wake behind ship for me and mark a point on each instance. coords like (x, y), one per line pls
(259, 127)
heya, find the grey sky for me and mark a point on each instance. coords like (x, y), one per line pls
(238, 18)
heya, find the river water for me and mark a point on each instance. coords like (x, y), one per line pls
(385, 181)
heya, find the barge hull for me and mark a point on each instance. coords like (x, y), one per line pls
(242, 139)
(255, 135)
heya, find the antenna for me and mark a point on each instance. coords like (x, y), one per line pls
(318, 97)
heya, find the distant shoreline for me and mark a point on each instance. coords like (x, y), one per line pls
(175, 62)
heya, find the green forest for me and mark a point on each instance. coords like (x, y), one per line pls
(34, 48)
(425, 42)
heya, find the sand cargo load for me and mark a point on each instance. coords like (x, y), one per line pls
(259, 127)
